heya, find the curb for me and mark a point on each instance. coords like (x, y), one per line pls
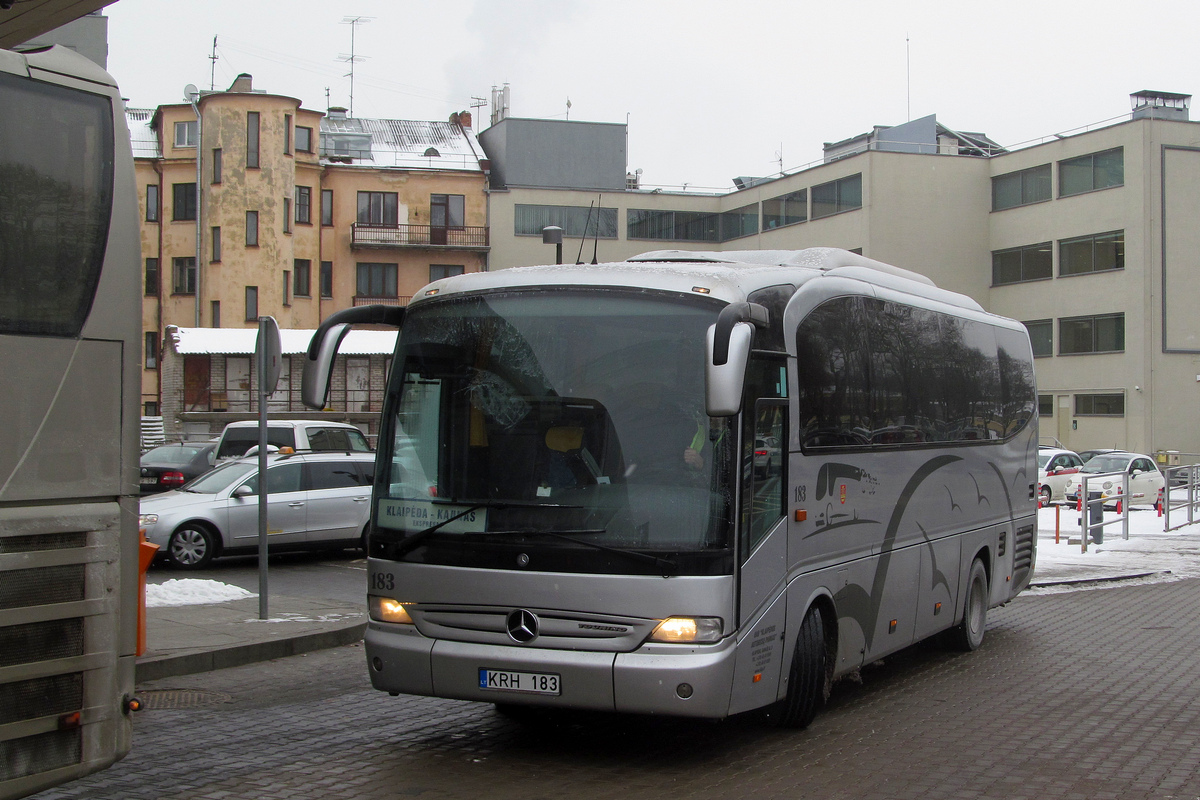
(155, 667)
(1108, 579)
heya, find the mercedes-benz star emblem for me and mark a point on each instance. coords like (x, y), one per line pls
(522, 625)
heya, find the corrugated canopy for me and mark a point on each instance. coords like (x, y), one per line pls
(241, 341)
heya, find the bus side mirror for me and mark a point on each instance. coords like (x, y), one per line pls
(322, 350)
(724, 382)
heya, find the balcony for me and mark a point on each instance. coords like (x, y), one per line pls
(427, 237)
(363, 300)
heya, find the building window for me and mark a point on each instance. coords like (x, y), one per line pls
(1100, 253)
(1100, 405)
(216, 313)
(252, 139)
(439, 271)
(216, 165)
(302, 272)
(1091, 172)
(1030, 263)
(151, 277)
(251, 303)
(251, 229)
(1041, 336)
(150, 409)
(377, 280)
(1021, 188)
(183, 202)
(326, 279)
(287, 287)
(287, 134)
(678, 226)
(786, 209)
(304, 204)
(844, 194)
(287, 215)
(739, 222)
(327, 206)
(1045, 405)
(447, 210)
(1104, 333)
(303, 139)
(377, 208)
(183, 275)
(578, 221)
(151, 350)
(216, 243)
(152, 202)
(185, 133)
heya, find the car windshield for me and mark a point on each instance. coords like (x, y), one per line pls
(1106, 464)
(170, 454)
(220, 478)
(558, 412)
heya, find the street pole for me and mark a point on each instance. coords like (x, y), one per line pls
(269, 357)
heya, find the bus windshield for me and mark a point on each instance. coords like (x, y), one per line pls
(567, 427)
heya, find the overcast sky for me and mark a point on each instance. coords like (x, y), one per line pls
(711, 90)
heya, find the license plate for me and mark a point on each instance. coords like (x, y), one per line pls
(499, 680)
(149, 480)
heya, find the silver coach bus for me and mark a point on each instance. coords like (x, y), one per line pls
(691, 483)
(69, 343)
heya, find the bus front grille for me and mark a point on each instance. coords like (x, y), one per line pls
(555, 629)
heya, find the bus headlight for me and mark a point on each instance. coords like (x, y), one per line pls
(146, 520)
(385, 609)
(692, 630)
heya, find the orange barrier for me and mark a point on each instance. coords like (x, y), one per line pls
(146, 553)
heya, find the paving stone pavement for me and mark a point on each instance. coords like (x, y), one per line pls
(1092, 694)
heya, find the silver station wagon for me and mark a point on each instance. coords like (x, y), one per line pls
(314, 500)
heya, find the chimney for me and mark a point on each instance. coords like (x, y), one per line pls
(1160, 105)
(242, 83)
(337, 112)
(464, 118)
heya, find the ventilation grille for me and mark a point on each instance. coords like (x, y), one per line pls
(45, 541)
(40, 753)
(1023, 549)
(41, 641)
(42, 586)
(41, 697)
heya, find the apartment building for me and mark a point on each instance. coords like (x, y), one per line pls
(1088, 237)
(253, 205)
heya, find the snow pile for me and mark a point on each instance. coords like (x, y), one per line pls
(192, 591)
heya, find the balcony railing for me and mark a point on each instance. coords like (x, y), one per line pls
(468, 237)
(366, 300)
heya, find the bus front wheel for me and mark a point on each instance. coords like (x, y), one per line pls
(808, 676)
(968, 635)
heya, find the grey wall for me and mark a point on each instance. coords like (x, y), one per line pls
(556, 154)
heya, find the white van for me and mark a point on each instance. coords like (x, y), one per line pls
(298, 434)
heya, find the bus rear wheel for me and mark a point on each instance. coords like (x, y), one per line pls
(968, 634)
(808, 676)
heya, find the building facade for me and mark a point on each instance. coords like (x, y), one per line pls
(253, 205)
(1088, 238)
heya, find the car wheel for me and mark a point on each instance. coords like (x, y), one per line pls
(191, 546)
(968, 634)
(362, 541)
(808, 678)
(1045, 493)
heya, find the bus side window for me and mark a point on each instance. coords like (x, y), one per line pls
(764, 450)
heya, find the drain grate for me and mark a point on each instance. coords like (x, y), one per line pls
(157, 699)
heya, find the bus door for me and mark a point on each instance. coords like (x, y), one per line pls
(762, 533)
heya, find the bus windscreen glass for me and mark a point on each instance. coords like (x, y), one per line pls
(568, 429)
(56, 178)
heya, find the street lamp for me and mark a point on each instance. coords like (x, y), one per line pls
(552, 234)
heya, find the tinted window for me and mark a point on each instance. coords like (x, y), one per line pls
(282, 478)
(340, 439)
(56, 174)
(334, 475)
(237, 441)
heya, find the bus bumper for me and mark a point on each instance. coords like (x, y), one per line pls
(677, 680)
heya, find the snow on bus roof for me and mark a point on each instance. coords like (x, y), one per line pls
(240, 341)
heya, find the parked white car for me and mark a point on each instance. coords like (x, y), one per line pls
(1145, 480)
(298, 434)
(1055, 467)
(314, 500)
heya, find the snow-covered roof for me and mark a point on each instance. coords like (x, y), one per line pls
(241, 341)
(143, 138)
(411, 144)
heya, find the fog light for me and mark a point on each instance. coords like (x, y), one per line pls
(385, 609)
(377, 664)
(684, 690)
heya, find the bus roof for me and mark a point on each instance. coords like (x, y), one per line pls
(728, 276)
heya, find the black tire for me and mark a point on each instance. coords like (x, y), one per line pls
(192, 546)
(808, 678)
(968, 634)
(362, 541)
(1045, 493)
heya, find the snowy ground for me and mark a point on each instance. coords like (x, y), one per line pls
(192, 592)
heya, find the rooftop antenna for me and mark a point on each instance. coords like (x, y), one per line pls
(596, 238)
(326, 98)
(568, 108)
(579, 255)
(212, 78)
(908, 74)
(477, 102)
(353, 22)
(779, 157)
